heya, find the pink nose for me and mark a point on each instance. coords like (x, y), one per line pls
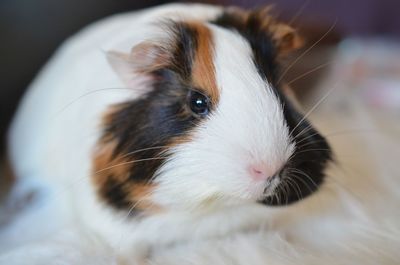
(260, 172)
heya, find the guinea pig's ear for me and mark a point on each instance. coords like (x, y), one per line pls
(286, 38)
(144, 58)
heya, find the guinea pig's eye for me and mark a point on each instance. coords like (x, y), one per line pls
(198, 103)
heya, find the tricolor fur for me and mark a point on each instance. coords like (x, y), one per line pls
(156, 152)
(186, 143)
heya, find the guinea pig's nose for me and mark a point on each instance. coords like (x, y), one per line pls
(259, 172)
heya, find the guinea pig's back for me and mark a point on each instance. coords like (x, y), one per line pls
(53, 135)
(55, 127)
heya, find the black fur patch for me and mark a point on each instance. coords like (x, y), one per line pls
(185, 47)
(307, 165)
(264, 50)
(153, 122)
(115, 193)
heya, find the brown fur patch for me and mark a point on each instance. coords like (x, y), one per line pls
(139, 194)
(111, 177)
(203, 69)
(138, 132)
(106, 164)
(285, 37)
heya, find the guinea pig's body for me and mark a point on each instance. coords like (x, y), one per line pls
(161, 127)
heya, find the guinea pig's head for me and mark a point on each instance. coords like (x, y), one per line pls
(213, 126)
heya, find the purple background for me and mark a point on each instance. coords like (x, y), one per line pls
(31, 30)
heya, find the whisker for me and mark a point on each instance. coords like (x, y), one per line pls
(286, 192)
(321, 149)
(295, 187)
(313, 108)
(129, 162)
(84, 95)
(343, 132)
(306, 175)
(302, 180)
(278, 199)
(299, 12)
(313, 149)
(306, 51)
(305, 130)
(310, 72)
(131, 210)
(144, 149)
(310, 143)
(314, 134)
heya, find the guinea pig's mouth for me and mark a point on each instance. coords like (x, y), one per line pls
(275, 191)
(286, 187)
(271, 185)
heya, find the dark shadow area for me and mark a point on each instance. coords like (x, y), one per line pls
(31, 31)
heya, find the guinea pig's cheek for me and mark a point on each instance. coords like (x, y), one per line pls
(179, 190)
(111, 177)
(199, 176)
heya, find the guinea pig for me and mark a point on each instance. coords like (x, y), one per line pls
(214, 124)
(180, 108)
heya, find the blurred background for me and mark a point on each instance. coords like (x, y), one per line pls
(348, 71)
(31, 30)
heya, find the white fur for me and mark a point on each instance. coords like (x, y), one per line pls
(246, 128)
(343, 223)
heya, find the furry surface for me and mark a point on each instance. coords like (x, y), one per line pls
(352, 219)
